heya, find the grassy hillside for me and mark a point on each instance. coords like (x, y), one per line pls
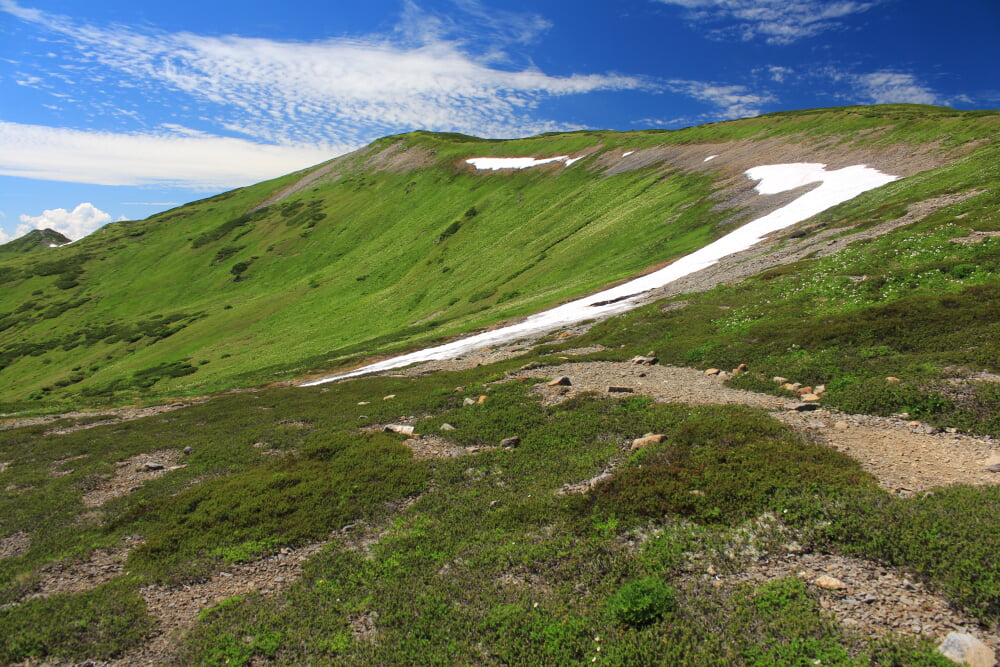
(397, 245)
(477, 555)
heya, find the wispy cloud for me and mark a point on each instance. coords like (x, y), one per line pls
(343, 90)
(169, 158)
(74, 224)
(730, 101)
(775, 21)
(885, 87)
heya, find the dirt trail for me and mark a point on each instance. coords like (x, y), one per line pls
(905, 456)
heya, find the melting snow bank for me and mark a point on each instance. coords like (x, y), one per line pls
(494, 163)
(835, 187)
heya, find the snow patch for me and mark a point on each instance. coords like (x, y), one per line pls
(627, 153)
(834, 187)
(710, 157)
(495, 163)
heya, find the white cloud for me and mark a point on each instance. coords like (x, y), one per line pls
(731, 101)
(172, 159)
(776, 21)
(886, 87)
(342, 90)
(74, 224)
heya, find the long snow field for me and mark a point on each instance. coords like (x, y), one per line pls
(835, 187)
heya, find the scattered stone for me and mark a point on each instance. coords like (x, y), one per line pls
(364, 402)
(398, 428)
(560, 382)
(819, 389)
(594, 481)
(740, 369)
(469, 401)
(893, 379)
(647, 440)
(644, 360)
(481, 400)
(696, 492)
(801, 406)
(620, 390)
(389, 397)
(809, 397)
(993, 468)
(531, 365)
(712, 371)
(446, 427)
(965, 649)
(777, 379)
(804, 390)
(187, 450)
(829, 583)
(151, 465)
(791, 386)
(459, 390)
(511, 442)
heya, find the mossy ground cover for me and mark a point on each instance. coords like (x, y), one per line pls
(490, 564)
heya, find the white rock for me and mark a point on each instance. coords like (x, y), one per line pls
(964, 649)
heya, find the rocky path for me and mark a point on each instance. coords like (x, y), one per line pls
(905, 456)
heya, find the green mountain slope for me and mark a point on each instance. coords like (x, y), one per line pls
(36, 239)
(403, 243)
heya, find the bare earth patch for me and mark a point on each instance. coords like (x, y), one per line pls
(873, 601)
(132, 473)
(14, 545)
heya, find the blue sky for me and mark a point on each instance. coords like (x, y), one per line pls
(118, 109)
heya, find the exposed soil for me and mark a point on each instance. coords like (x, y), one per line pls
(115, 415)
(132, 473)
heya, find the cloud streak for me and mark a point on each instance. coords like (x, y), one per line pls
(340, 90)
(774, 21)
(173, 159)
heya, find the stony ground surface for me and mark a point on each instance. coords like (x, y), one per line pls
(132, 473)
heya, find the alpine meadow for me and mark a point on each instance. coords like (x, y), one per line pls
(785, 457)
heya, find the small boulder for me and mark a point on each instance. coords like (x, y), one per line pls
(559, 382)
(712, 371)
(364, 402)
(481, 400)
(531, 365)
(829, 583)
(994, 467)
(468, 401)
(819, 389)
(791, 386)
(742, 368)
(801, 406)
(809, 398)
(965, 649)
(804, 390)
(511, 442)
(644, 360)
(777, 379)
(647, 440)
(187, 450)
(893, 379)
(149, 466)
(620, 390)
(398, 428)
(446, 427)
(389, 397)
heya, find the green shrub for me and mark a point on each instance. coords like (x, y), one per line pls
(642, 601)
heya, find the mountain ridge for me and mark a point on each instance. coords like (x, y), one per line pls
(367, 253)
